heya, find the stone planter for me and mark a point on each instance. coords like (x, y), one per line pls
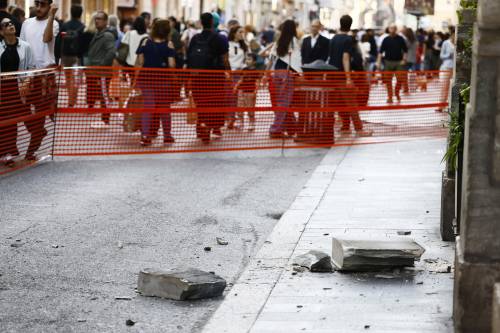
(447, 208)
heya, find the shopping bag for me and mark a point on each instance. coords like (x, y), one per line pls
(132, 120)
(191, 117)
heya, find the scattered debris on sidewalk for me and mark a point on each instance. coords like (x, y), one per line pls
(274, 216)
(222, 241)
(123, 298)
(404, 232)
(55, 246)
(120, 245)
(129, 322)
(207, 249)
(315, 261)
(366, 255)
(385, 276)
(299, 269)
(180, 285)
(16, 244)
(438, 266)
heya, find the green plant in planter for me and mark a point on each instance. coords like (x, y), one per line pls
(456, 134)
(466, 4)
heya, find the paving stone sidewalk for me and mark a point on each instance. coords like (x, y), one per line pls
(368, 191)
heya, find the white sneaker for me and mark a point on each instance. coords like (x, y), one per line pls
(7, 160)
(99, 125)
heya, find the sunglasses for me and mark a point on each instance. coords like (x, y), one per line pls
(41, 4)
(6, 24)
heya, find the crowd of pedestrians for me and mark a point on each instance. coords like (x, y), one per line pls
(238, 51)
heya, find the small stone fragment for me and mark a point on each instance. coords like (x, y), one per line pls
(123, 298)
(299, 269)
(207, 248)
(16, 244)
(420, 282)
(315, 261)
(129, 322)
(120, 245)
(93, 298)
(221, 241)
(441, 268)
(367, 327)
(384, 276)
(300, 306)
(431, 261)
(361, 180)
(404, 232)
(81, 320)
(55, 246)
(180, 285)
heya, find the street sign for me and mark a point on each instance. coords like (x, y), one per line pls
(419, 7)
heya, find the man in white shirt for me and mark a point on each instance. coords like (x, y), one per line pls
(40, 32)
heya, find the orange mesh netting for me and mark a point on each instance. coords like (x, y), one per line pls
(27, 117)
(135, 111)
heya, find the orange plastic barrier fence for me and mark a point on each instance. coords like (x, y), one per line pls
(135, 111)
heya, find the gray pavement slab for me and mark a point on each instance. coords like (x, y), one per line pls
(87, 226)
(367, 192)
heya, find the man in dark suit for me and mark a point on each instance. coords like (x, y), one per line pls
(315, 46)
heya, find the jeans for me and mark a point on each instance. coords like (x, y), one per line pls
(281, 96)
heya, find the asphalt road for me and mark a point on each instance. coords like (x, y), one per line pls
(75, 233)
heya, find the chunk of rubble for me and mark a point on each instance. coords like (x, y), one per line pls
(366, 255)
(180, 285)
(315, 261)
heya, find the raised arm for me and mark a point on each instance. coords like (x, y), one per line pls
(48, 34)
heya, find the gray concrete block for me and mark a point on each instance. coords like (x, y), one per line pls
(495, 323)
(362, 255)
(447, 208)
(180, 285)
(315, 261)
(473, 292)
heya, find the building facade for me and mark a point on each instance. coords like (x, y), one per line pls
(261, 13)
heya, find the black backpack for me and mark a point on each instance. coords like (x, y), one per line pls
(201, 54)
(71, 42)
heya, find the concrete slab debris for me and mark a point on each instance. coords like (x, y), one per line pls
(180, 285)
(366, 255)
(315, 261)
